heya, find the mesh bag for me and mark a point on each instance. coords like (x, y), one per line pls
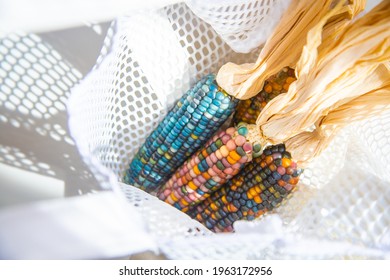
(149, 59)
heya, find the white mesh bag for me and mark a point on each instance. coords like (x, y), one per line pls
(149, 59)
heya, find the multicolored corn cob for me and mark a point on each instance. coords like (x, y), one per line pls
(258, 188)
(190, 123)
(209, 168)
(248, 110)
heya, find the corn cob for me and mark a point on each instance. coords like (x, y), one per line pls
(218, 161)
(248, 110)
(259, 187)
(187, 126)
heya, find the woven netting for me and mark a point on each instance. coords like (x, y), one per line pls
(341, 208)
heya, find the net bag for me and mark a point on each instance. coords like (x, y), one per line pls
(150, 58)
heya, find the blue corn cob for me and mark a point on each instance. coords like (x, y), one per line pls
(187, 126)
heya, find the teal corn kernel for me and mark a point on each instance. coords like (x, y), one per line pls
(243, 131)
(188, 125)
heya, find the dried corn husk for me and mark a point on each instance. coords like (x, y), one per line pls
(342, 74)
(339, 81)
(285, 44)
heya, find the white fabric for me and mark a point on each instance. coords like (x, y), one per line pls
(48, 15)
(244, 25)
(265, 239)
(85, 227)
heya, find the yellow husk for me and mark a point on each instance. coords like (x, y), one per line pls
(309, 144)
(285, 45)
(342, 68)
(340, 80)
